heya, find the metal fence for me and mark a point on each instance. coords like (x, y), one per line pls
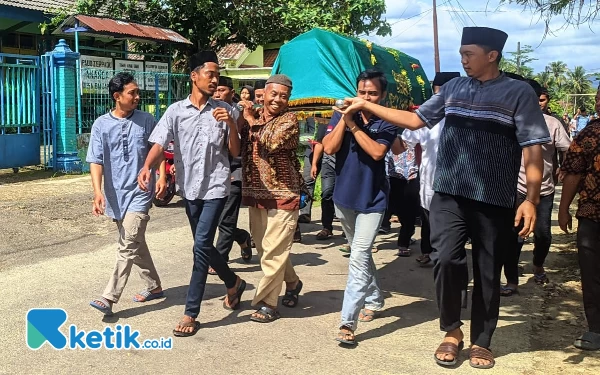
(157, 92)
(19, 94)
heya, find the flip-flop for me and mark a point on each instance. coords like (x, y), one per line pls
(247, 251)
(341, 338)
(105, 308)
(195, 324)
(588, 341)
(508, 291)
(540, 278)
(345, 249)
(238, 295)
(148, 296)
(291, 297)
(423, 259)
(367, 317)
(481, 353)
(403, 252)
(448, 348)
(211, 271)
(268, 315)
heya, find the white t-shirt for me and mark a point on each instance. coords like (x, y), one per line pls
(429, 140)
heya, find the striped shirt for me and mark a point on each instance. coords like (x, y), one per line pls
(487, 125)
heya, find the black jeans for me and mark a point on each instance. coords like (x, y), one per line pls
(203, 216)
(588, 244)
(228, 230)
(309, 181)
(543, 239)
(404, 202)
(453, 220)
(327, 186)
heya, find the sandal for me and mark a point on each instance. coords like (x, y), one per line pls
(182, 324)
(481, 353)
(246, 252)
(423, 259)
(448, 348)
(374, 249)
(211, 271)
(345, 249)
(324, 234)
(588, 341)
(366, 316)
(103, 305)
(345, 337)
(403, 252)
(148, 296)
(290, 299)
(540, 278)
(507, 291)
(236, 296)
(267, 315)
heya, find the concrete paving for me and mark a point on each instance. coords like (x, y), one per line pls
(400, 341)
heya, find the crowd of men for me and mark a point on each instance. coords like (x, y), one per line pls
(476, 162)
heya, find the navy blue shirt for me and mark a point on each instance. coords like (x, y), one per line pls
(361, 183)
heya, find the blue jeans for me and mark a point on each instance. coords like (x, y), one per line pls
(203, 216)
(362, 289)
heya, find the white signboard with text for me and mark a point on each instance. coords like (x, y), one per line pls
(156, 67)
(95, 74)
(135, 67)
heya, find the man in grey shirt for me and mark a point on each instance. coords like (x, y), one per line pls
(491, 120)
(117, 150)
(205, 133)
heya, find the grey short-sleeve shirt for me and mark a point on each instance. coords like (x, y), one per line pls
(200, 148)
(486, 126)
(121, 146)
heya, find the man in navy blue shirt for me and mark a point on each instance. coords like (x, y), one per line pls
(360, 141)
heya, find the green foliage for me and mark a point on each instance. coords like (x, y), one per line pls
(517, 63)
(575, 12)
(212, 24)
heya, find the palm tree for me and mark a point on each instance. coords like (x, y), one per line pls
(579, 83)
(558, 70)
(545, 78)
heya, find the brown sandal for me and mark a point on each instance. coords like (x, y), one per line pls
(481, 353)
(448, 348)
(346, 336)
(324, 234)
(195, 324)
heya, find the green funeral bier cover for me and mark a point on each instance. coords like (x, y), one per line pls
(324, 66)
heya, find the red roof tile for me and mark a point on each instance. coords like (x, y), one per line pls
(269, 57)
(231, 51)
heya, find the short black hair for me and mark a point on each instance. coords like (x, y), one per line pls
(488, 49)
(372, 74)
(118, 83)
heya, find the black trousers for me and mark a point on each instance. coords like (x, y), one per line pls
(228, 230)
(453, 220)
(588, 244)
(425, 232)
(542, 239)
(309, 181)
(404, 202)
(327, 186)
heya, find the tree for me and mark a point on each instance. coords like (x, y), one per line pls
(518, 62)
(558, 70)
(579, 83)
(575, 12)
(210, 24)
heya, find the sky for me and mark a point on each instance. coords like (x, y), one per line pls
(412, 33)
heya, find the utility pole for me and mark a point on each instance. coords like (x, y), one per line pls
(518, 57)
(435, 38)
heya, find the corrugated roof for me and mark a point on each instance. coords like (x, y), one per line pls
(122, 29)
(231, 51)
(41, 5)
(269, 57)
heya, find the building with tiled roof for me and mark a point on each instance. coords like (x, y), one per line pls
(246, 67)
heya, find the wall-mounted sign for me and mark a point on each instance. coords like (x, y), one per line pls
(95, 73)
(156, 70)
(135, 67)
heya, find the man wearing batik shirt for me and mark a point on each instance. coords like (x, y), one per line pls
(271, 189)
(582, 169)
(491, 120)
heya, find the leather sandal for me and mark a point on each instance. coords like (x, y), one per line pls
(448, 348)
(481, 353)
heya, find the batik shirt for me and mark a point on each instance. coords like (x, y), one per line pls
(271, 176)
(583, 158)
